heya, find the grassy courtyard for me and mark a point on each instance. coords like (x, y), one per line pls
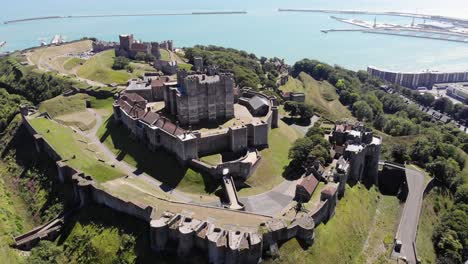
(75, 149)
(269, 172)
(319, 94)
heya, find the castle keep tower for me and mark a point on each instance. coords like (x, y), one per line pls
(200, 97)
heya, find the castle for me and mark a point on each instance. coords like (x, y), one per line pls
(198, 99)
(358, 153)
(201, 97)
(130, 48)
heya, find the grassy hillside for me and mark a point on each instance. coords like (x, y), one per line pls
(434, 205)
(320, 94)
(99, 69)
(70, 111)
(362, 215)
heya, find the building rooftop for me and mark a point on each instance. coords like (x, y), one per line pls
(309, 184)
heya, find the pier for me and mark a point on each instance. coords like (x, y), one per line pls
(2, 43)
(128, 15)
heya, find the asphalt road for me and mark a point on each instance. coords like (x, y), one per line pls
(409, 220)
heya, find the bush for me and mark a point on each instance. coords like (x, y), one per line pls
(120, 63)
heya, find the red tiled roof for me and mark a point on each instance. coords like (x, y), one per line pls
(329, 190)
(309, 184)
(135, 106)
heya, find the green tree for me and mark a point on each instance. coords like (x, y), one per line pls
(291, 107)
(45, 252)
(300, 149)
(120, 63)
(362, 110)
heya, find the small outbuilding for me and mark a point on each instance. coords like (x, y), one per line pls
(305, 189)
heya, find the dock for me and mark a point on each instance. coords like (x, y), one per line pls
(2, 43)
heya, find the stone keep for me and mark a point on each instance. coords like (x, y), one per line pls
(200, 97)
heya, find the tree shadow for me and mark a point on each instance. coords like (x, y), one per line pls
(293, 171)
(296, 121)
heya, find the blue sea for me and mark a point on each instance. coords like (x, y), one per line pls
(263, 31)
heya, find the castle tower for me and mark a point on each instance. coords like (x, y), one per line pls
(126, 41)
(198, 64)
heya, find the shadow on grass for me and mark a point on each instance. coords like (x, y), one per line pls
(159, 164)
(293, 171)
(95, 219)
(296, 121)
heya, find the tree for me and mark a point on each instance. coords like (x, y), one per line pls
(362, 110)
(305, 111)
(399, 153)
(443, 104)
(300, 149)
(45, 252)
(120, 63)
(446, 171)
(461, 196)
(291, 107)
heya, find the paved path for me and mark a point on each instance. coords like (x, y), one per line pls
(408, 226)
(303, 129)
(271, 202)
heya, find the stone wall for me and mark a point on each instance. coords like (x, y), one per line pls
(233, 244)
(240, 168)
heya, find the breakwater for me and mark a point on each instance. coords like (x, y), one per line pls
(128, 15)
(377, 13)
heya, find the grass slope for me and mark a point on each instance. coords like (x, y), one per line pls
(61, 105)
(269, 172)
(434, 205)
(159, 164)
(342, 239)
(319, 94)
(76, 149)
(14, 218)
(70, 111)
(99, 68)
(72, 63)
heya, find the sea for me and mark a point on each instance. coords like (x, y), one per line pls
(263, 30)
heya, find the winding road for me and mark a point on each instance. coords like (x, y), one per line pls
(408, 226)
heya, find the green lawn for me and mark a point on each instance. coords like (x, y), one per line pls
(72, 63)
(69, 144)
(269, 172)
(99, 68)
(212, 159)
(319, 94)
(62, 105)
(185, 66)
(342, 239)
(165, 56)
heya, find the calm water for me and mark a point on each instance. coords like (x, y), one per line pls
(263, 30)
